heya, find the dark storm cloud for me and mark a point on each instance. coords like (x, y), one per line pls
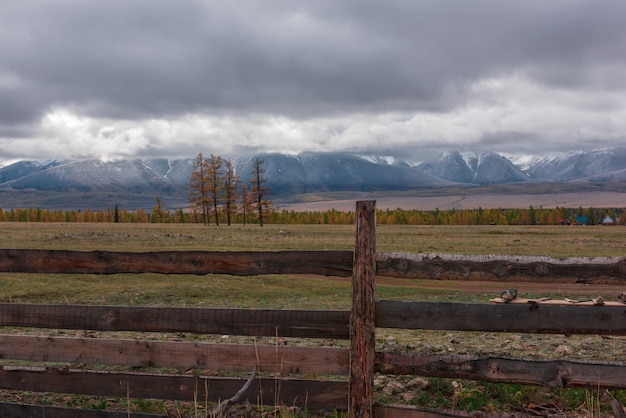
(145, 59)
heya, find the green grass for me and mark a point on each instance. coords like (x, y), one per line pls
(555, 241)
(316, 292)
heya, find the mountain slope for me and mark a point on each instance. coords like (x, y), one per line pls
(474, 168)
(317, 172)
(577, 166)
(24, 168)
(93, 175)
(139, 182)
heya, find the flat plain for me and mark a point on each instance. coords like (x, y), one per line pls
(599, 199)
(319, 292)
(288, 291)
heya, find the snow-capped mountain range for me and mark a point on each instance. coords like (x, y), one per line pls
(137, 183)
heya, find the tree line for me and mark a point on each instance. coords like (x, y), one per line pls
(217, 192)
(527, 216)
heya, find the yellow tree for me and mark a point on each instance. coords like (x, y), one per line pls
(199, 187)
(230, 187)
(259, 187)
(246, 202)
(215, 183)
(158, 212)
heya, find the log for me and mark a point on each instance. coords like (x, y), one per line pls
(330, 263)
(255, 322)
(245, 263)
(548, 373)
(527, 318)
(362, 326)
(330, 394)
(285, 360)
(502, 268)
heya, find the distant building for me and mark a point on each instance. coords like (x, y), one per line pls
(582, 220)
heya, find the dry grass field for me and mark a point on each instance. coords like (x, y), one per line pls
(315, 292)
(311, 292)
(555, 241)
(522, 198)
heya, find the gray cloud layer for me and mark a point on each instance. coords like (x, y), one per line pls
(165, 77)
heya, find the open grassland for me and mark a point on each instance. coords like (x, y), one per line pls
(314, 292)
(555, 241)
(274, 291)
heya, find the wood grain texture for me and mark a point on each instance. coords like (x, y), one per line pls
(285, 360)
(255, 322)
(245, 263)
(362, 326)
(311, 393)
(549, 373)
(526, 318)
(329, 263)
(502, 268)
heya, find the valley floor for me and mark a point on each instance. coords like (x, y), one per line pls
(484, 200)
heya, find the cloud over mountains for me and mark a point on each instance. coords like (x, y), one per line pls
(167, 79)
(136, 183)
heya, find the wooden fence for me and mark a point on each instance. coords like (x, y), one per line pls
(283, 369)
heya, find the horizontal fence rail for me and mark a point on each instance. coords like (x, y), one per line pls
(522, 318)
(531, 318)
(298, 392)
(328, 263)
(253, 322)
(61, 364)
(502, 267)
(288, 360)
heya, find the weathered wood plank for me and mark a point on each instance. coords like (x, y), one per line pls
(362, 327)
(12, 410)
(549, 373)
(528, 318)
(330, 263)
(502, 267)
(256, 322)
(299, 392)
(185, 355)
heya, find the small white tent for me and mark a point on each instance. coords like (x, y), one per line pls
(608, 221)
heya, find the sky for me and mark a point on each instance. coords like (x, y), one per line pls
(406, 78)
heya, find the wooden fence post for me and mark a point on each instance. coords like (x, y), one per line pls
(362, 328)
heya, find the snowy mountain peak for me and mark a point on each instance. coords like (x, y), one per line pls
(140, 181)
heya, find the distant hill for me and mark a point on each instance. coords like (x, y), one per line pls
(134, 184)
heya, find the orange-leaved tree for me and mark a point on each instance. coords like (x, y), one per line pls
(199, 187)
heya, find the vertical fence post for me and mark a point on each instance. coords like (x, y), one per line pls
(362, 329)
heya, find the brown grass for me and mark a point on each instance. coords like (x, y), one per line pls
(315, 292)
(555, 241)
